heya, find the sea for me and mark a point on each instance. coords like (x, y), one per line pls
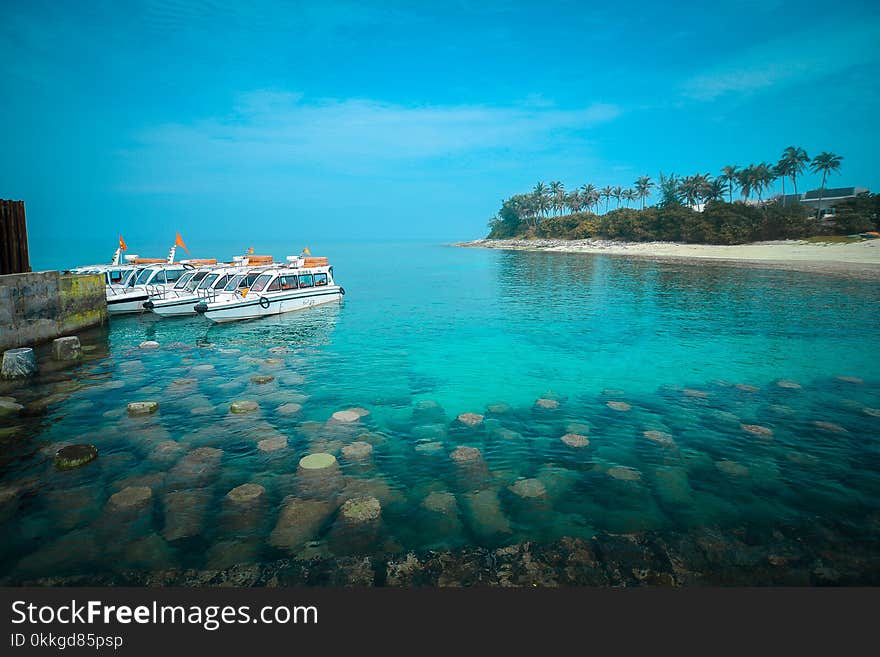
(496, 397)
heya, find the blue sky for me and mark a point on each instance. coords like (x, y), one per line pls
(312, 121)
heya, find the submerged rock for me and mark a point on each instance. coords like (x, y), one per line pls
(691, 392)
(429, 447)
(578, 427)
(470, 419)
(528, 488)
(196, 468)
(441, 502)
(873, 412)
(142, 408)
(185, 512)
(746, 388)
(547, 404)
(624, 473)
(788, 384)
(732, 468)
(346, 416)
(498, 409)
(466, 454)
(486, 515)
(246, 494)
(262, 379)
(659, 437)
(131, 498)
(149, 344)
(299, 522)
(757, 430)
(289, 409)
(360, 510)
(575, 440)
(358, 450)
(8, 406)
(618, 406)
(242, 407)
(272, 444)
(831, 427)
(74, 456)
(850, 379)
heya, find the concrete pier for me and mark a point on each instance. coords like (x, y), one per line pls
(39, 306)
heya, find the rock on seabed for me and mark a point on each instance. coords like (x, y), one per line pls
(470, 419)
(575, 440)
(242, 407)
(624, 473)
(361, 509)
(357, 450)
(132, 497)
(74, 456)
(142, 408)
(465, 454)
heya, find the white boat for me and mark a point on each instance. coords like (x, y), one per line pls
(149, 279)
(192, 287)
(302, 283)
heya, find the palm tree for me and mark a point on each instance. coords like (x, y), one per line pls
(764, 175)
(629, 195)
(691, 189)
(729, 176)
(824, 163)
(617, 193)
(643, 188)
(795, 160)
(780, 170)
(542, 201)
(670, 193)
(702, 181)
(557, 195)
(606, 193)
(589, 195)
(573, 201)
(715, 190)
(745, 178)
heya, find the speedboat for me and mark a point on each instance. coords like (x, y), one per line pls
(191, 288)
(275, 289)
(153, 277)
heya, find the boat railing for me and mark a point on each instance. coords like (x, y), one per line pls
(156, 291)
(209, 295)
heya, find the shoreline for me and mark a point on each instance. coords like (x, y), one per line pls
(855, 259)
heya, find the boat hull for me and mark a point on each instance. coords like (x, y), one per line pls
(126, 303)
(252, 309)
(175, 308)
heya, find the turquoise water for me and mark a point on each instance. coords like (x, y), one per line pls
(426, 333)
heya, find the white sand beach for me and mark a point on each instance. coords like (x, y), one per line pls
(860, 259)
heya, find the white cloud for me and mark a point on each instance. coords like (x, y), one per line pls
(279, 133)
(817, 53)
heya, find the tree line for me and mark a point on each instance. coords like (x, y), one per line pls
(588, 213)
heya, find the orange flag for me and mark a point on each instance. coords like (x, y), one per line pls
(178, 240)
(122, 244)
(306, 251)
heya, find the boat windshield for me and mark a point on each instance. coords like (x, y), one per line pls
(232, 286)
(145, 276)
(261, 282)
(206, 282)
(181, 283)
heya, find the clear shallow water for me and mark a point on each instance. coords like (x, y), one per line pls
(426, 333)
